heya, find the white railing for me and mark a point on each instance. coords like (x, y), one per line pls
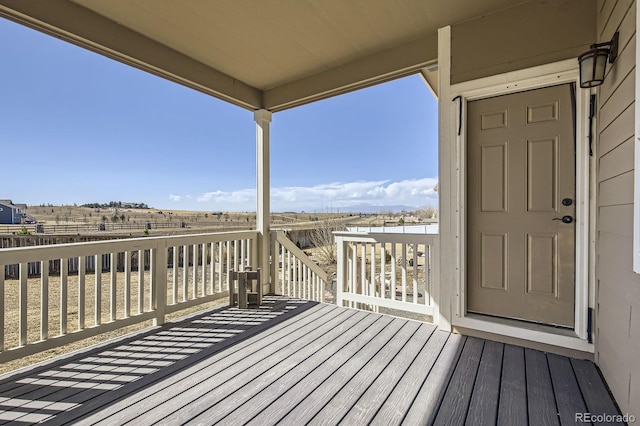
(112, 284)
(293, 273)
(388, 270)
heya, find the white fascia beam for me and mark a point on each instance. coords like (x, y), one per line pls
(73, 23)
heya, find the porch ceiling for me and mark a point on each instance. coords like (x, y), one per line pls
(273, 54)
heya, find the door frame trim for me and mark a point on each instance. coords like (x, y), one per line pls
(532, 78)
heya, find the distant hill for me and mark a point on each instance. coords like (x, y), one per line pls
(371, 209)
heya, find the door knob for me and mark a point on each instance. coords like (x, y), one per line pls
(564, 219)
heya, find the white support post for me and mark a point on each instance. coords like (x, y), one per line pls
(446, 186)
(263, 118)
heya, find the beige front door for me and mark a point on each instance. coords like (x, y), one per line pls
(520, 185)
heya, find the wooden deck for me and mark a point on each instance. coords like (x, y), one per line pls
(296, 362)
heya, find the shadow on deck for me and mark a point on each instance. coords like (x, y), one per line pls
(298, 362)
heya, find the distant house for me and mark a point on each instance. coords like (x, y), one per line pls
(10, 213)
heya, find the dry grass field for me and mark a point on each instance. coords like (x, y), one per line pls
(136, 219)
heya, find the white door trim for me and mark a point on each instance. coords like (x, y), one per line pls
(452, 193)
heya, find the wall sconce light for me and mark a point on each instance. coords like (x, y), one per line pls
(594, 62)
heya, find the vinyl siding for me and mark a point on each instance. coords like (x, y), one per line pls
(617, 287)
(530, 34)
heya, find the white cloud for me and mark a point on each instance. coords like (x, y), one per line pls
(410, 192)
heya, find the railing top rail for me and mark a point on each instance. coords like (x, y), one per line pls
(383, 237)
(289, 245)
(15, 255)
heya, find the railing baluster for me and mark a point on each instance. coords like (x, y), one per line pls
(372, 282)
(354, 271)
(316, 289)
(158, 282)
(64, 273)
(383, 267)
(203, 285)
(300, 278)
(394, 260)
(305, 290)
(289, 272)
(294, 276)
(341, 273)
(44, 300)
(174, 276)
(22, 328)
(428, 277)
(212, 268)
(275, 265)
(220, 265)
(113, 302)
(404, 272)
(236, 266)
(242, 262)
(228, 245)
(141, 262)
(82, 269)
(194, 271)
(98, 290)
(416, 269)
(363, 269)
(185, 272)
(127, 284)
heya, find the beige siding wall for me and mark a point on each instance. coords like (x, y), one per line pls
(617, 286)
(535, 33)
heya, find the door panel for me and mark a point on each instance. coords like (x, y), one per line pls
(521, 164)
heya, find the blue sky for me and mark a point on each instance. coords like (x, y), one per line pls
(76, 127)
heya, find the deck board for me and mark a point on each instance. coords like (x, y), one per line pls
(303, 363)
(425, 405)
(568, 397)
(513, 392)
(592, 388)
(540, 399)
(483, 408)
(454, 407)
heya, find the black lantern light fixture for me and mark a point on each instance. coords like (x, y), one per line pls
(594, 62)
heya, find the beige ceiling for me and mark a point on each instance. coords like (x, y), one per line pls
(272, 54)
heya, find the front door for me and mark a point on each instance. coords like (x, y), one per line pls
(521, 206)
